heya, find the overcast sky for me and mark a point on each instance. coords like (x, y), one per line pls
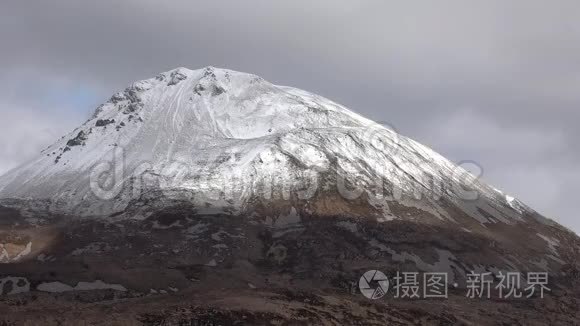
(489, 81)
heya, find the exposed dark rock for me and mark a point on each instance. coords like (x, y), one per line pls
(78, 140)
(119, 126)
(8, 286)
(132, 107)
(104, 122)
(208, 72)
(198, 89)
(175, 78)
(217, 90)
(118, 97)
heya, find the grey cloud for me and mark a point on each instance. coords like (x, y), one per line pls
(488, 80)
(26, 131)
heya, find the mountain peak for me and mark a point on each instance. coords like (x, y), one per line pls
(229, 103)
(206, 73)
(220, 123)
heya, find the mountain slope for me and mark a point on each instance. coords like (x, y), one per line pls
(258, 201)
(228, 143)
(220, 137)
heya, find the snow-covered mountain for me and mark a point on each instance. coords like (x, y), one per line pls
(225, 140)
(198, 180)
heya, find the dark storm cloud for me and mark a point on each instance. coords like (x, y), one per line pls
(489, 81)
